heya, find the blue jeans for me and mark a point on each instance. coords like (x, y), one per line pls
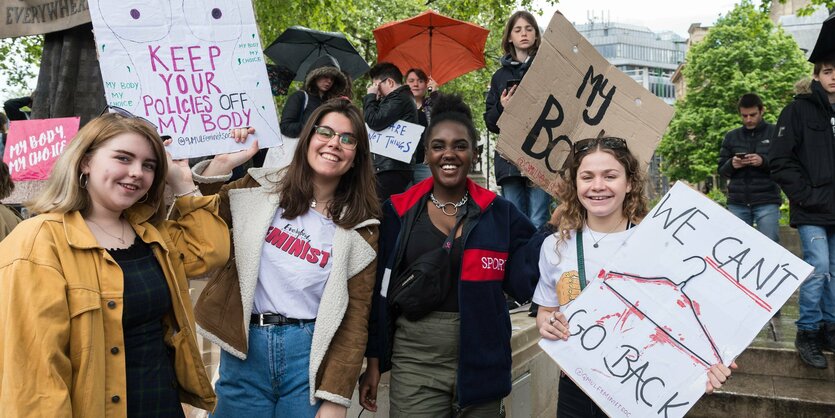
(273, 380)
(817, 293)
(530, 200)
(765, 217)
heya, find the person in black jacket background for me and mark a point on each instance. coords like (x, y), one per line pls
(802, 160)
(752, 195)
(520, 43)
(388, 101)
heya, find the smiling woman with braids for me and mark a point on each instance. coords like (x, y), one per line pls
(444, 331)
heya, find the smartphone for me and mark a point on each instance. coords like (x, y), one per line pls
(740, 155)
(511, 83)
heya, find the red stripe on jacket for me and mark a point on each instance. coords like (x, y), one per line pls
(483, 265)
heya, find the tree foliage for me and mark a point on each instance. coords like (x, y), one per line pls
(805, 10)
(744, 52)
(22, 58)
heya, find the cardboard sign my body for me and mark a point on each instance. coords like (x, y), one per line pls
(690, 288)
(192, 68)
(571, 93)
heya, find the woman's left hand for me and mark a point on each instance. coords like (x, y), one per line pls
(432, 85)
(331, 410)
(717, 375)
(178, 177)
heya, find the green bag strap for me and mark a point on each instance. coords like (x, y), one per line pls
(581, 264)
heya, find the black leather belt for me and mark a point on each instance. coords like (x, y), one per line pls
(276, 319)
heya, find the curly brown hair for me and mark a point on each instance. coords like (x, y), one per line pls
(572, 214)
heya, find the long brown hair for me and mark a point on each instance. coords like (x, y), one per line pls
(573, 214)
(6, 183)
(63, 193)
(507, 46)
(355, 199)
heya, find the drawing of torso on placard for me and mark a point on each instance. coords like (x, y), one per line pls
(192, 68)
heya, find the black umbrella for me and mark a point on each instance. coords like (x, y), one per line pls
(825, 46)
(297, 47)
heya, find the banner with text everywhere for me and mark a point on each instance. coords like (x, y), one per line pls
(35, 17)
(690, 288)
(192, 68)
(33, 146)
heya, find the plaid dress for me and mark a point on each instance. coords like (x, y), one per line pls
(151, 383)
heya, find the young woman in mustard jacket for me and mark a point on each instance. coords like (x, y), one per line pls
(95, 316)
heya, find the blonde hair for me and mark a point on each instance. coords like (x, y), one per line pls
(63, 192)
(572, 214)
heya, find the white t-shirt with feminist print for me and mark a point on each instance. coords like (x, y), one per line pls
(295, 265)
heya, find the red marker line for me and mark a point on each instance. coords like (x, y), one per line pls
(744, 289)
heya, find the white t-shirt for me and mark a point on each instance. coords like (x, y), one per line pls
(554, 267)
(295, 265)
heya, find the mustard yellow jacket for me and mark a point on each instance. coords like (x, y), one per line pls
(61, 339)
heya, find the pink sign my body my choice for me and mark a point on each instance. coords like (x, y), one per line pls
(32, 146)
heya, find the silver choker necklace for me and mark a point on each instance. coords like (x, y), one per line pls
(443, 206)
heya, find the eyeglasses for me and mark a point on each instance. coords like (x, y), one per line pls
(610, 142)
(325, 134)
(125, 113)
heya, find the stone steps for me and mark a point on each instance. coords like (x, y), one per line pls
(747, 395)
(772, 381)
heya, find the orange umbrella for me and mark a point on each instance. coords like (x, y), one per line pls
(442, 46)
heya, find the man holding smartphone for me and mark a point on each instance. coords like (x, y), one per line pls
(752, 195)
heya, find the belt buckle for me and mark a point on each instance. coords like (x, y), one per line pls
(261, 320)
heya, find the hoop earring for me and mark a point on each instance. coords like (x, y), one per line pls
(143, 200)
(82, 180)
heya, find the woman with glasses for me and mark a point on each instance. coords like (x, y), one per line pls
(290, 309)
(449, 351)
(96, 319)
(520, 43)
(602, 199)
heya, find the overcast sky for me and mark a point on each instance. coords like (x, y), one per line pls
(674, 15)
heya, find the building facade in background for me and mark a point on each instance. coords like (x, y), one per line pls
(648, 57)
